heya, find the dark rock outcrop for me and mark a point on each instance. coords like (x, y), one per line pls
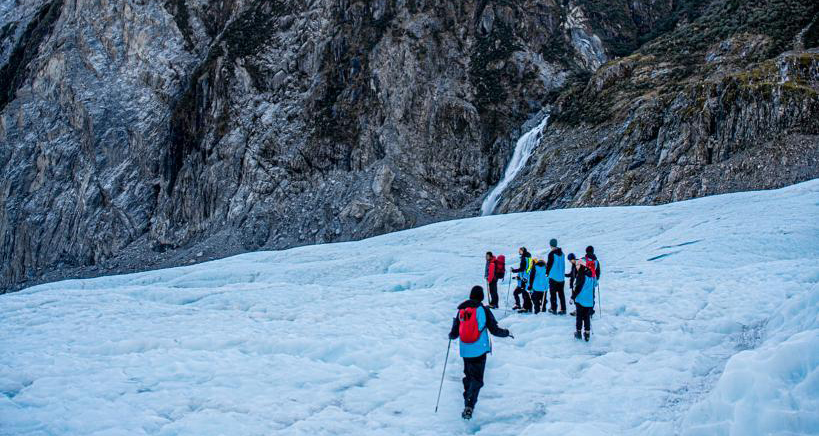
(148, 134)
(709, 108)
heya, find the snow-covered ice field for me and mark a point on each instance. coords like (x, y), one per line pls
(708, 327)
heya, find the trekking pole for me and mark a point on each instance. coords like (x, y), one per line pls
(508, 288)
(448, 346)
(599, 301)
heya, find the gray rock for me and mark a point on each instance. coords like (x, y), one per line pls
(382, 183)
(154, 130)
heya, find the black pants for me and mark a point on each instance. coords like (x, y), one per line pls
(583, 317)
(473, 378)
(539, 300)
(527, 302)
(493, 293)
(556, 290)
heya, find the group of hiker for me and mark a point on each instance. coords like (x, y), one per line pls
(534, 278)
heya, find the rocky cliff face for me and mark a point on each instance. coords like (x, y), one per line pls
(723, 103)
(139, 134)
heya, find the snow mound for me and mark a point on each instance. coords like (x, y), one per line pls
(773, 389)
(708, 326)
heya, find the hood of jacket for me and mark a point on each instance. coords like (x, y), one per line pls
(469, 303)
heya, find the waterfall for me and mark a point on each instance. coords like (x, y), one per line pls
(523, 149)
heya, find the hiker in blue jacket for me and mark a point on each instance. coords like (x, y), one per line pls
(556, 270)
(538, 285)
(573, 273)
(523, 271)
(583, 295)
(474, 352)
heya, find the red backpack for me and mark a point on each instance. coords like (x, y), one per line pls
(591, 264)
(500, 266)
(468, 328)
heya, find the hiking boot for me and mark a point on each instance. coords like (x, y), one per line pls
(516, 307)
(586, 335)
(577, 335)
(574, 313)
(552, 312)
(562, 312)
(467, 413)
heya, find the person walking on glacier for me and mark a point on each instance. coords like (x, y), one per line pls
(583, 294)
(573, 273)
(538, 284)
(491, 275)
(471, 325)
(556, 270)
(523, 271)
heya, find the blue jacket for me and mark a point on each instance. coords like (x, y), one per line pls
(583, 293)
(486, 323)
(540, 281)
(556, 266)
(523, 270)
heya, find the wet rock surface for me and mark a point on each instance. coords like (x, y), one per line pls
(712, 107)
(147, 134)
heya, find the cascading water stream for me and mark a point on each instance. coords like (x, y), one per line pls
(523, 149)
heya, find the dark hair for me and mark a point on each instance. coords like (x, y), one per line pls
(476, 293)
(524, 249)
(490, 253)
(589, 250)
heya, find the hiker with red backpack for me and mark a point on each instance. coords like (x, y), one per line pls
(572, 275)
(588, 269)
(471, 325)
(495, 270)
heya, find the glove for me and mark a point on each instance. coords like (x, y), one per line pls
(511, 335)
(452, 336)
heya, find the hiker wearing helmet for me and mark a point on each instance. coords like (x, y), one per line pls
(471, 326)
(538, 284)
(491, 276)
(523, 280)
(556, 270)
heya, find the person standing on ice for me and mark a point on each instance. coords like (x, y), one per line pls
(491, 276)
(538, 284)
(523, 271)
(572, 275)
(573, 272)
(556, 270)
(471, 326)
(583, 293)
